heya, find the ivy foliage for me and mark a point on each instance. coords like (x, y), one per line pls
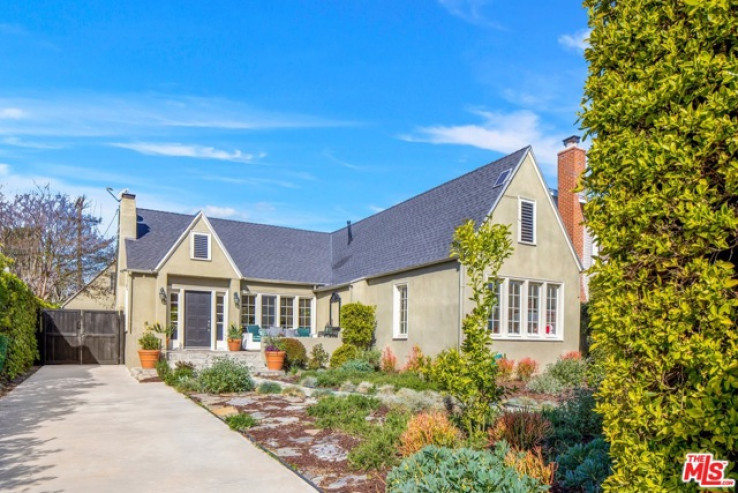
(470, 374)
(661, 102)
(18, 321)
(358, 323)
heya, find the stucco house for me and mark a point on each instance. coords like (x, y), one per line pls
(202, 274)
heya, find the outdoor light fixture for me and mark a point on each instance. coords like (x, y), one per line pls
(162, 295)
(236, 298)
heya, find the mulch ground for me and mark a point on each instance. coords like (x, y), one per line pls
(7, 385)
(286, 431)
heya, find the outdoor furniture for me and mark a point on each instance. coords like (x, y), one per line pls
(290, 332)
(303, 332)
(252, 338)
(330, 331)
(274, 332)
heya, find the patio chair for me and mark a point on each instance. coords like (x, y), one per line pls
(303, 332)
(330, 331)
(252, 338)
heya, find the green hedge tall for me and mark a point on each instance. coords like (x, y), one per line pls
(661, 102)
(18, 319)
(358, 323)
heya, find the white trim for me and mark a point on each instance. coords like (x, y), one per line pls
(508, 182)
(522, 200)
(194, 234)
(523, 335)
(396, 307)
(222, 246)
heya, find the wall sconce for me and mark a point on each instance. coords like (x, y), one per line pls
(162, 295)
(236, 298)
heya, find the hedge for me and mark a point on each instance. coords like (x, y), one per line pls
(18, 312)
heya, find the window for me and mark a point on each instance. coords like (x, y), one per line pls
(286, 312)
(527, 221)
(494, 317)
(305, 315)
(200, 246)
(534, 307)
(248, 310)
(513, 316)
(552, 311)
(219, 315)
(502, 178)
(268, 311)
(174, 313)
(400, 315)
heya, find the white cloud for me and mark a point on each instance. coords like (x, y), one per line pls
(4, 169)
(498, 132)
(16, 142)
(217, 211)
(577, 41)
(375, 209)
(340, 162)
(470, 11)
(12, 113)
(192, 151)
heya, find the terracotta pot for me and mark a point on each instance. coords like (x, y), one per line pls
(274, 359)
(234, 344)
(148, 357)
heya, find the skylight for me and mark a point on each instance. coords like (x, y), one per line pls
(502, 178)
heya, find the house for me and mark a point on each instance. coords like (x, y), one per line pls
(203, 274)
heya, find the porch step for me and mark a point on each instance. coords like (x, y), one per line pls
(201, 358)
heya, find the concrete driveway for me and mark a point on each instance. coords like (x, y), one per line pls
(80, 429)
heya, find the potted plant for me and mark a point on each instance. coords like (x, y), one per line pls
(150, 349)
(274, 354)
(167, 331)
(235, 338)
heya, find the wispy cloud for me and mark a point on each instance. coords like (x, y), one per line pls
(375, 208)
(191, 151)
(4, 169)
(470, 11)
(217, 211)
(345, 164)
(498, 132)
(578, 41)
(96, 115)
(17, 142)
(250, 181)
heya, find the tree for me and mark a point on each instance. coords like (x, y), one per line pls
(661, 102)
(470, 374)
(55, 244)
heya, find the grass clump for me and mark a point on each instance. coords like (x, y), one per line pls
(241, 421)
(269, 388)
(343, 413)
(333, 378)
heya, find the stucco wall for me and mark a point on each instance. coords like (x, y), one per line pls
(97, 295)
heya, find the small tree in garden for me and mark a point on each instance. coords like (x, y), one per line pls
(470, 374)
(358, 323)
(661, 102)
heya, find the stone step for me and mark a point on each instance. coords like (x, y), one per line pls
(204, 359)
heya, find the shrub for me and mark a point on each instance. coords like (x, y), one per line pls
(163, 370)
(18, 310)
(318, 357)
(241, 421)
(412, 400)
(295, 353)
(505, 368)
(343, 413)
(531, 463)
(370, 356)
(443, 470)
(343, 354)
(526, 368)
(416, 362)
(357, 365)
(309, 382)
(378, 450)
(572, 355)
(523, 430)
(226, 375)
(570, 372)
(3, 350)
(573, 422)
(388, 364)
(583, 467)
(269, 388)
(293, 391)
(358, 324)
(431, 428)
(545, 384)
(148, 341)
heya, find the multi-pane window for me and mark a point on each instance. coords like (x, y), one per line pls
(400, 317)
(527, 221)
(304, 315)
(494, 317)
(552, 312)
(268, 311)
(534, 307)
(219, 315)
(286, 312)
(174, 312)
(248, 310)
(513, 315)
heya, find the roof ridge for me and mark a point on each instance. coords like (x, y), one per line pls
(436, 187)
(268, 225)
(165, 212)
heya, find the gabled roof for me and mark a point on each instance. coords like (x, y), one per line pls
(415, 232)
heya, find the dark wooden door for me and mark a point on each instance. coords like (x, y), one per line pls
(197, 318)
(81, 337)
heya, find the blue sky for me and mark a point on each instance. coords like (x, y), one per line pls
(301, 114)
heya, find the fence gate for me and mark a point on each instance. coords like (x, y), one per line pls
(74, 337)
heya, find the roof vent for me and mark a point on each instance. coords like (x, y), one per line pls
(350, 234)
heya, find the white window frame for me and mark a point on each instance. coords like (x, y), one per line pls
(522, 200)
(192, 246)
(396, 309)
(542, 309)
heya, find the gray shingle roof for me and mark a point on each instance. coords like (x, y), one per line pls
(415, 232)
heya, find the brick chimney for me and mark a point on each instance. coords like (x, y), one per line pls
(572, 161)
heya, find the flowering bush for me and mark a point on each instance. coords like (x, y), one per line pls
(415, 360)
(505, 367)
(531, 463)
(526, 368)
(424, 429)
(523, 430)
(572, 355)
(388, 363)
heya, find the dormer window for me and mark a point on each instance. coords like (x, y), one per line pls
(200, 246)
(527, 222)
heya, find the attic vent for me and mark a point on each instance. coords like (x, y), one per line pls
(502, 178)
(527, 221)
(200, 246)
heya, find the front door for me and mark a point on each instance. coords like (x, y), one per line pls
(197, 318)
